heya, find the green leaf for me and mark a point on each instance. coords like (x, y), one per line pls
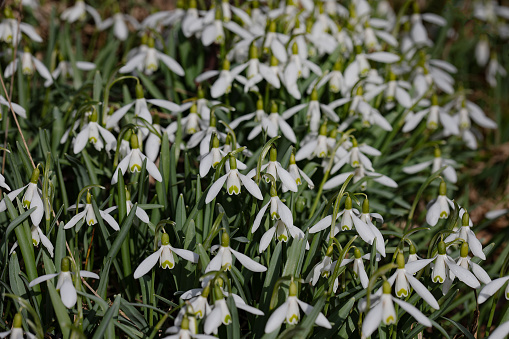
(106, 328)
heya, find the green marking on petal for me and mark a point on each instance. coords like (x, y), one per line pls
(443, 215)
(325, 274)
(34, 242)
(294, 319)
(274, 215)
(167, 264)
(135, 168)
(233, 190)
(227, 319)
(402, 293)
(282, 238)
(355, 164)
(26, 204)
(345, 228)
(298, 181)
(389, 320)
(199, 314)
(92, 140)
(438, 279)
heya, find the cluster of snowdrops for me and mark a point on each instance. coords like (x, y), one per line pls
(209, 163)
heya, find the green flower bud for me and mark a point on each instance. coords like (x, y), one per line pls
(465, 220)
(233, 163)
(273, 154)
(89, 198)
(412, 249)
(17, 321)
(139, 91)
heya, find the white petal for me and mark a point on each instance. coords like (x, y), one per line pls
(259, 217)
(74, 220)
(433, 214)
(215, 188)
(213, 320)
(321, 225)
(68, 293)
(188, 255)
(415, 266)
(501, 332)
(491, 288)
(248, 263)
(463, 274)
(266, 239)
(142, 215)
(147, 264)
(46, 242)
(336, 181)
(81, 140)
(87, 274)
(384, 57)
(170, 106)
(37, 215)
(480, 273)
(286, 178)
(117, 115)
(41, 279)
(277, 318)
(320, 320)
(251, 186)
(372, 320)
(110, 220)
(133, 63)
(422, 291)
(413, 311)
(171, 63)
(284, 213)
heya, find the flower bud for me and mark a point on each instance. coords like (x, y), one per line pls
(17, 322)
(442, 190)
(386, 287)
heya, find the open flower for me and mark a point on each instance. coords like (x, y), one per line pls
(289, 312)
(323, 269)
(439, 208)
(223, 258)
(165, 257)
(275, 169)
(437, 163)
(65, 285)
(467, 235)
(404, 279)
(16, 331)
(234, 180)
(95, 134)
(88, 215)
(382, 311)
(66, 70)
(29, 64)
(358, 266)
(31, 198)
(223, 84)
(359, 173)
(134, 162)
(118, 21)
(297, 174)
(366, 217)
(9, 30)
(349, 221)
(79, 11)
(148, 59)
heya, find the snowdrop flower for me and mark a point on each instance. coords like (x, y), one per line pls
(79, 11)
(467, 111)
(418, 31)
(437, 163)
(258, 71)
(465, 262)
(366, 217)
(134, 162)
(358, 266)
(223, 258)
(223, 84)
(349, 221)
(318, 146)
(17, 108)
(31, 198)
(299, 67)
(492, 287)
(383, 311)
(276, 43)
(65, 69)
(95, 134)
(435, 115)
(149, 58)
(314, 112)
(65, 285)
(289, 312)
(360, 66)
(9, 29)
(393, 90)
(185, 331)
(220, 313)
(297, 174)
(38, 237)
(191, 124)
(212, 27)
(359, 106)
(482, 50)
(445, 268)
(164, 255)
(439, 208)
(404, 279)
(274, 168)
(334, 78)
(355, 157)
(359, 173)
(281, 232)
(214, 157)
(234, 180)
(118, 21)
(494, 69)
(204, 136)
(88, 215)
(29, 64)
(324, 268)
(467, 235)
(16, 331)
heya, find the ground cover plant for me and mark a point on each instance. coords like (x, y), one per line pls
(254, 169)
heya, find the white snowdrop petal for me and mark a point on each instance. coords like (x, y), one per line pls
(42, 278)
(74, 220)
(259, 217)
(248, 263)
(490, 289)
(321, 225)
(186, 254)
(147, 264)
(276, 319)
(413, 311)
(421, 290)
(110, 220)
(87, 274)
(463, 274)
(500, 332)
(68, 293)
(213, 320)
(372, 320)
(480, 273)
(266, 239)
(321, 320)
(251, 186)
